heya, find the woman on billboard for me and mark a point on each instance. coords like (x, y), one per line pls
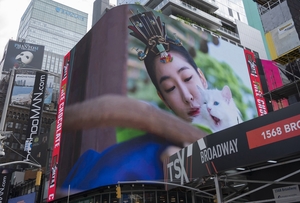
(178, 82)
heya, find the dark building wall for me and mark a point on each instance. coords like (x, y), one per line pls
(294, 7)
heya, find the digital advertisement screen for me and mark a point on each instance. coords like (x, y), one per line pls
(156, 61)
(23, 55)
(23, 89)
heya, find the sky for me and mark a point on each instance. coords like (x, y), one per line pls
(11, 12)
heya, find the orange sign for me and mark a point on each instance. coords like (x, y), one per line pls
(274, 132)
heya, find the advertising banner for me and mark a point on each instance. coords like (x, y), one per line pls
(36, 109)
(145, 57)
(274, 81)
(23, 89)
(58, 129)
(23, 55)
(256, 84)
(5, 177)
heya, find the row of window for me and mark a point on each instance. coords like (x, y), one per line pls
(19, 125)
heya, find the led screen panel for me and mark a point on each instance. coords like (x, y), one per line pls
(186, 76)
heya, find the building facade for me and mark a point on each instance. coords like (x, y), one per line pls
(282, 36)
(227, 19)
(54, 25)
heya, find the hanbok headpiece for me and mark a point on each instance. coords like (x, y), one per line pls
(152, 32)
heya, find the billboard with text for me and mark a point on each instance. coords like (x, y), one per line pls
(23, 55)
(149, 60)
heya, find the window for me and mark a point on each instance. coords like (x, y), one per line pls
(18, 126)
(17, 136)
(14, 145)
(10, 124)
(238, 15)
(230, 12)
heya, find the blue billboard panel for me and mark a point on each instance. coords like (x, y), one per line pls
(24, 198)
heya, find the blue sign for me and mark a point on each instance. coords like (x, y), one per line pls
(24, 199)
(69, 13)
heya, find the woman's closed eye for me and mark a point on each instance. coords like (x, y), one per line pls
(188, 79)
(170, 89)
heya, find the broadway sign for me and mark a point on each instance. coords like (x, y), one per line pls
(272, 136)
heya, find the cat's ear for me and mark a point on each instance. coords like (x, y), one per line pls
(226, 93)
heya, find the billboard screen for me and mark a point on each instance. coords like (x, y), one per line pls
(189, 76)
(23, 89)
(23, 55)
(5, 176)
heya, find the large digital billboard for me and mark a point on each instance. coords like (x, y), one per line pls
(23, 55)
(152, 60)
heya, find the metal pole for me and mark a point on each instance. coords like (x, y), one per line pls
(218, 189)
(263, 186)
(21, 162)
(6, 103)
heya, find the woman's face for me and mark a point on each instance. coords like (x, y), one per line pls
(177, 81)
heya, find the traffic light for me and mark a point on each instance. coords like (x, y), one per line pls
(38, 178)
(118, 192)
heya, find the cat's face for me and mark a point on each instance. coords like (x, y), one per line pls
(178, 82)
(215, 105)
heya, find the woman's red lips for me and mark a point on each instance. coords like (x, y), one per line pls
(194, 112)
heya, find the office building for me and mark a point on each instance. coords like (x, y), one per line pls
(54, 25)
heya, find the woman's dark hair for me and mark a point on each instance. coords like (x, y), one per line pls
(150, 59)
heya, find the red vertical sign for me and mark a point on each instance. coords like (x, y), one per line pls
(256, 84)
(58, 130)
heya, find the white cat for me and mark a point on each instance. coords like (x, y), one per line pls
(218, 110)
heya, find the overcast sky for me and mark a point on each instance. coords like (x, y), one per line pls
(11, 12)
